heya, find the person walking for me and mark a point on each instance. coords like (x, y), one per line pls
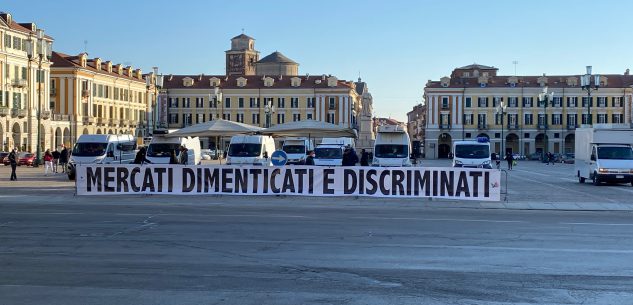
(184, 157)
(63, 158)
(141, 156)
(48, 162)
(56, 155)
(310, 158)
(510, 160)
(349, 157)
(172, 157)
(364, 158)
(550, 158)
(13, 159)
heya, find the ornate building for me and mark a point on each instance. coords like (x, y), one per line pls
(464, 106)
(416, 123)
(24, 87)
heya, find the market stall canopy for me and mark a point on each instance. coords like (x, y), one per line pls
(310, 128)
(215, 128)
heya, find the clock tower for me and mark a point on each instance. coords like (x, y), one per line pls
(241, 58)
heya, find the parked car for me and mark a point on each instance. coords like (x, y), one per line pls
(568, 158)
(3, 154)
(24, 158)
(212, 154)
(535, 156)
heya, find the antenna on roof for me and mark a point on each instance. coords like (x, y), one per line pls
(515, 63)
(242, 30)
(86, 46)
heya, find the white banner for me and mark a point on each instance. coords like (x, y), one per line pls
(403, 182)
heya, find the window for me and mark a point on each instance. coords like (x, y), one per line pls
(17, 100)
(226, 116)
(542, 119)
(481, 119)
(200, 118)
(254, 102)
(602, 118)
(227, 102)
(557, 101)
(482, 102)
(281, 102)
(496, 101)
(309, 116)
(513, 102)
(498, 118)
(571, 120)
(584, 119)
(17, 43)
(331, 118)
(294, 102)
(213, 102)
(186, 102)
(527, 102)
(255, 118)
(465, 74)
(445, 119)
(186, 119)
(7, 40)
(173, 102)
(584, 101)
(616, 102)
(240, 103)
(173, 118)
(281, 118)
(468, 102)
(310, 102)
(468, 119)
(557, 119)
(617, 118)
(332, 103)
(199, 102)
(512, 120)
(602, 102)
(296, 117)
(527, 119)
(572, 102)
(24, 73)
(239, 117)
(444, 102)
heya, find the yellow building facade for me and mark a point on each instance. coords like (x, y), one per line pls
(24, 86)
(95, 96)
(465, 106)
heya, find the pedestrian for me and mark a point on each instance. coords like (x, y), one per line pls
(48, 162)
(310, 158)
(63, 158)
(141, 156)
(349, 157)
(172, 157)
(551, 158)
(13, 159)
(364, 158)
(56, 155)
(510, 160)
(183, 157)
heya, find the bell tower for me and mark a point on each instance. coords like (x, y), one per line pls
(241, 58)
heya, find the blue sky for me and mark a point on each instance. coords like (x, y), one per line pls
(395, 45)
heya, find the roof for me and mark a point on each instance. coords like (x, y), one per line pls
(276, 57)
(61, 60)
(241, 36)
(26, 28)
(553, 81)
(252, 82)
(477, 66)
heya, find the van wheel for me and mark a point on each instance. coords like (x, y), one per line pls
(581, 179)
(596, 180)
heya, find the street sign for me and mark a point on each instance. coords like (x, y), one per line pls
(279, 158)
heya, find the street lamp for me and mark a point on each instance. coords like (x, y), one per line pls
(545, 98)
(218, 98)
(41, 49)
(585, 84)
(269, 109)
(501, 109)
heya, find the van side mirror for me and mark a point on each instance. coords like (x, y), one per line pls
(593, 157)
(265, 155)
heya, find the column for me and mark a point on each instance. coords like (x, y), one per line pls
(341, 113)
(324, 108)
(347, 111)
(317, 108)
(434, 109)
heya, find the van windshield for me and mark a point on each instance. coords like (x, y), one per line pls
(391, 151)
(328, 153)
(245, 150)
(89, 149)
(471, 151)
(615, 153)
(162, 149)
(294, 149)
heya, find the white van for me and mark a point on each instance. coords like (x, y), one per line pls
(392, 147)
(297, 149)
(253, 149)
(339, 141)
(101, 149)
(329, 155)
(473, 154)
(159, 150)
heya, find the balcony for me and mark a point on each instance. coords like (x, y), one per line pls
(45, 114)
(18, 83)
(112, 121)
(133, 123)
(513, 126)
(85, 93)
(101, 121)
(482, 126)
(88, 120)
(123, 122)
(571, 126)
(445, 126)
(61, 117)
(53, 91)
(4, 111)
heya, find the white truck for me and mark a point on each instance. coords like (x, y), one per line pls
(330, 151)
(101, 149)
(160, 148)
(604, 155)
(297, 149)
(251, 150)
(472, 154)
(392, 146)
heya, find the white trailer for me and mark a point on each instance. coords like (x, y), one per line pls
(604, 155)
